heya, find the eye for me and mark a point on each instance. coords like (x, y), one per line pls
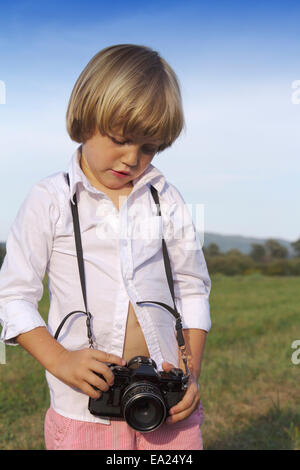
(118, 142)
(147, 150)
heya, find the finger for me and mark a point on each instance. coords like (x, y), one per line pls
(167, 366)
(182, 415)
(93, 379)
(106, 357)
(103, 369)
(188, 399)
(183, 412)
(89, 390)
(182, 405)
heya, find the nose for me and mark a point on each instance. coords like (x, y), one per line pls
(131, 155)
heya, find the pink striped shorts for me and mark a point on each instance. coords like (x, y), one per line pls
(63, 433)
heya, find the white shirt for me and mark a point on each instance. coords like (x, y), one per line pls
(123, 262)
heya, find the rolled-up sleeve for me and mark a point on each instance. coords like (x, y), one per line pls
(28, 249)
(192, 283)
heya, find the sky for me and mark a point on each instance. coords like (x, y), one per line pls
(238, 65)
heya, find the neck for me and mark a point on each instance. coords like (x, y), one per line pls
(88, 173)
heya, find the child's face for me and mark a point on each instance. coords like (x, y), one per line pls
(105, 154)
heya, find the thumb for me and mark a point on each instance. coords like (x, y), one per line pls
(167, 366)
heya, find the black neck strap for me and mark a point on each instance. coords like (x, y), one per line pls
(173, 311)
(81, 273)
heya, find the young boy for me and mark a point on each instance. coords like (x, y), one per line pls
(125, 107)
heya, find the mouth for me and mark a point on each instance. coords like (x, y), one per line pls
(120, 173)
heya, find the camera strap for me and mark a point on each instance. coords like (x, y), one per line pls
(78, 244)
(173, 311)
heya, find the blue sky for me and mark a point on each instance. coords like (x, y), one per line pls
(236, 63)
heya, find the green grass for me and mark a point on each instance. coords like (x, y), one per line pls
(24, 396)
(248, 382)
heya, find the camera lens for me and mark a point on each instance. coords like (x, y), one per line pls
(143, 407)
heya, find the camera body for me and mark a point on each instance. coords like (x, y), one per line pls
(140, 394)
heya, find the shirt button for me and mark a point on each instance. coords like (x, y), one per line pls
(119, 326)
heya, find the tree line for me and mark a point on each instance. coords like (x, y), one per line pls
(271, 259)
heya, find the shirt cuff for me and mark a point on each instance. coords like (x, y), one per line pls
(195, 312)
(18, 316)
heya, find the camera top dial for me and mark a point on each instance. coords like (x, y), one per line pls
(137, 361)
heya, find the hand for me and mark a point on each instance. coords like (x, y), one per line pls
(77, 369)
(189, 402)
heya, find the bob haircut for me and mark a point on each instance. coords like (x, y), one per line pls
(128, 88)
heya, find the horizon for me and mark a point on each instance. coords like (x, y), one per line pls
(240, 82)
(233, 235)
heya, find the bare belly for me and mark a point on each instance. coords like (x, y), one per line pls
(134, 342)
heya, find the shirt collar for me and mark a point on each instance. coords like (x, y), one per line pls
(151, 175)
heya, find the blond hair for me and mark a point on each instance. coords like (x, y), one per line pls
(129, 88)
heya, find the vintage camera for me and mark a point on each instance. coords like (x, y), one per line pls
(140, 394)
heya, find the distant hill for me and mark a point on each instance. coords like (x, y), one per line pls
(239, 242)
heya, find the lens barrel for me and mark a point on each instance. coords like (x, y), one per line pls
(143, 406)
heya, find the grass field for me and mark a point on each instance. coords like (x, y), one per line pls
(248, 381)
